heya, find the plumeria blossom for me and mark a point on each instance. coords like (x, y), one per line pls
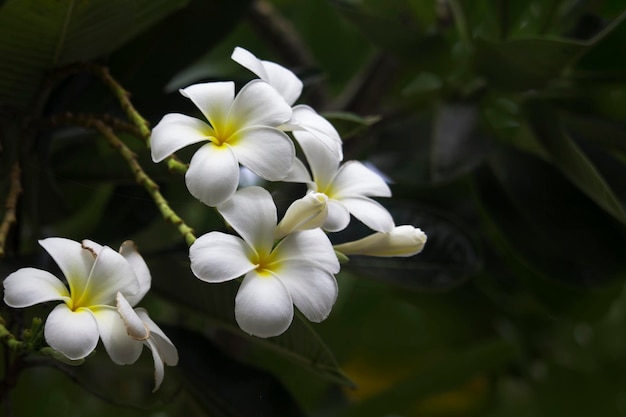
(348, 187)
(298, 270)
(403, 241)
(289, 86)
(241, 129)
(96, 276)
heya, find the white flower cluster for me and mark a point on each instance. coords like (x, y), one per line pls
(291, 262)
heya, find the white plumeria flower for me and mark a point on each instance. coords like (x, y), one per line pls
(348, 187)
(241, 130)
(403, 241)
(298, 270)
(289, 86)
(97, 276)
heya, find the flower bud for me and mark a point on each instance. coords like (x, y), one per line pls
(307, 213)
(401, 241)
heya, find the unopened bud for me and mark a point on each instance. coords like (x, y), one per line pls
(401, 241)
(307, 213)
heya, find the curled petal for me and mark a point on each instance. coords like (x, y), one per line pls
(283, 80)
(338, 217)
(111, 273)
(252, 213)
(74, 260)
(370, 212)
(259, 104)
(122, 348)
(159, 371)
(133, 324)
(28, 286)
(403, 240)
(176, 131)
(312, 246)
(312, 289)
(213, 174)
(355, 179)
(218, 257)
(263, 306)
(305, 118)
(166, 348)
(73, 333)
(322, 160)
(308, 212)
(213, 99)
(266, 151)
(129, 251)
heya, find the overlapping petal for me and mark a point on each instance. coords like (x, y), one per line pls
(213, 99)
(370, 212)
(218, 257)
(28, 286)
(258, 104)
(283, 80)
(74, 261)
(213, 174)
(312, 246)
(263, 306)
(166, 349)
(305, 118)
(176, 131)
(312, 289)
(355, 179)
(73, 333)
(122, 348)
(252, 213)
(129, 251)
(266, 151)
(322, 161)
(338, 217)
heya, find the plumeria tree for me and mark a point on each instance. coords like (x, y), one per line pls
(342, 208)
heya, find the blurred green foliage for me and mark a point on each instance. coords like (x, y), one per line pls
(502, 124)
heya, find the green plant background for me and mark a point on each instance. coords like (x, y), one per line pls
(502, 124)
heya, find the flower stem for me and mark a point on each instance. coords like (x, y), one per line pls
(143, 179)
(15, 188)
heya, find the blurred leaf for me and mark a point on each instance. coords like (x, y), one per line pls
(607, 52)
(350, 124)
(524, 63)
(225, 387)
(216, 303)
(452, 370)
(572, 162)
(457, 144)
(37, 35)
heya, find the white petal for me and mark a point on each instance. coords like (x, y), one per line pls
(370, 212)
(167, 350)
(312, 246)
(122, 348)
(176, 131)
(213, 174)
(28, 286)
(129, 251)
(131, 321)
(73, 333)
(74, 260)
(322, 161)
(312, 289)
(403, 240)
(258, 104)
(218, 257)
(355, 179)
(263, 306)
(338, 217)
(300, 173)
(308, 212)
(266, 151)
(283, 80)
(111, 273)
(304, 117)
(213, 99)
(252, 213)
(159, 371)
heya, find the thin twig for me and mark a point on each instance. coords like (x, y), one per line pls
(143, 179)
(15, 188)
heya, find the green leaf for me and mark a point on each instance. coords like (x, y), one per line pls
(607, 51)
(216, 302)
(523, 64)
(573, 163)
(38, 35)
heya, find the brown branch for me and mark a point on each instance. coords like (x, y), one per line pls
(15, 188)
